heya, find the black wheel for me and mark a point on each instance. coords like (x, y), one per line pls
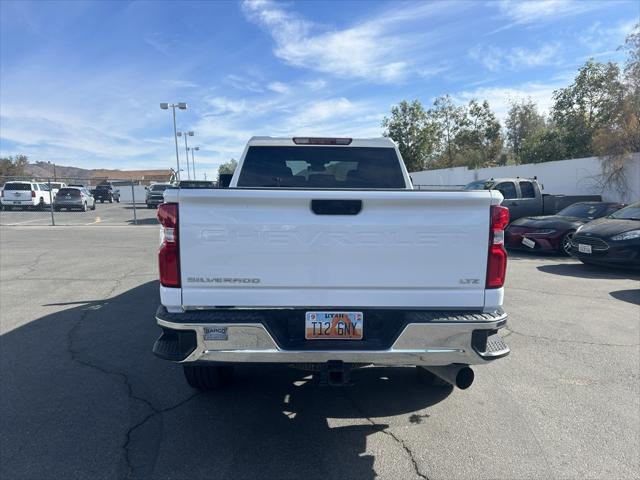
(84, 207)
(101, 200)
(56, 209)
(110, 199)
(118, 200)
(206, 377)
(149, 206)
(93, 207)
(565, 246)
(41, 204)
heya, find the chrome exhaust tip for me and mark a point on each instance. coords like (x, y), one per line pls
(460, 376)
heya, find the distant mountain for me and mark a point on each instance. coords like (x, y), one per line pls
(46, 170)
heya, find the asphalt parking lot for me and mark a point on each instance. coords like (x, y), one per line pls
(82, 396)
(104, 214)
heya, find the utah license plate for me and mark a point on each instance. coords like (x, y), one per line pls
(528, 242)
(582, 248)
(333, 325)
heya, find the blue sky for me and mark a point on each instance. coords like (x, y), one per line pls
(81, 82)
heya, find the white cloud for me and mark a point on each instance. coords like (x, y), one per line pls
(516, 58)
(378, 49)
(222, 105)
(598, 36)
(279, 87)
(532, 11)
(314, 85)
(499, 98)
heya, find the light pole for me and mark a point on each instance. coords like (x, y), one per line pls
(181, 106)
(193, 161)
(186, 148)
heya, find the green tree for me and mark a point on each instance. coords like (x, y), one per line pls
(545, 145)
(13, 166)
(614, 141)
(448, 120)
(478, 141)
(591, 102)
(227, 167)
(409, 127)
(522, 122)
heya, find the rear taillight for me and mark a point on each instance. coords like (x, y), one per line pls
(33, 194)
(169, 254)
(497, 261)
(2, 193)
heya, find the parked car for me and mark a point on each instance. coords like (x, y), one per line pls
(155, 194)
(21, 195)
(524, 198)
(321, 255)
(74, 198)
(553, 232)
(106, 193)
(610, 241)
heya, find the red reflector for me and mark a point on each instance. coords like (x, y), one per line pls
(33, 194)
(321, 141)
(497, 258)
(499, 217)
(169, 254)
(496, 266)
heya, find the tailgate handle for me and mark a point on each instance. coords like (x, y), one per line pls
(336, 207)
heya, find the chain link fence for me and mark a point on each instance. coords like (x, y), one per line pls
(74, 201)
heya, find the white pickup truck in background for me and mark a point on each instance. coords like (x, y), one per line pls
(321, 255)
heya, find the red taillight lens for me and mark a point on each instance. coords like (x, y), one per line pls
(169, 254)
(497, 261)
(33, 194)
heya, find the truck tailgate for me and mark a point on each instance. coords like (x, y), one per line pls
(267, 248)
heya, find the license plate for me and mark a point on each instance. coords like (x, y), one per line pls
(333, 326)
(17, 203)
(528, 242)
(582, 248)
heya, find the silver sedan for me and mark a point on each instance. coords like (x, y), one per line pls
(74, 198)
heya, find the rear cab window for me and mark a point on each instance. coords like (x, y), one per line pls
(321, 167)
(507, 189)
(17, 186)
(69, 191)
(527, 190)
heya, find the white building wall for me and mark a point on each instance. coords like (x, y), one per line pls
(569, 177)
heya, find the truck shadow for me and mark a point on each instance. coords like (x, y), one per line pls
(589, 271)
(83, 396)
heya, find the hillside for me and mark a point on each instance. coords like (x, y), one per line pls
(45, 170)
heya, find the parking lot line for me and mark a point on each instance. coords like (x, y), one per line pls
(39, 219)
(97, 220)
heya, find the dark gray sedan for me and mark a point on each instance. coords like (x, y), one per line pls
(76, 198)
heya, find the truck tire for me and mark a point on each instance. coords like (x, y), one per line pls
(111, 199)
(207, 377)
(118, 200)
(40, 204)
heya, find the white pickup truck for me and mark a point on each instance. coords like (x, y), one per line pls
(321, 255)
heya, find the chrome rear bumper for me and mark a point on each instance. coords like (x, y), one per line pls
(433, 343)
